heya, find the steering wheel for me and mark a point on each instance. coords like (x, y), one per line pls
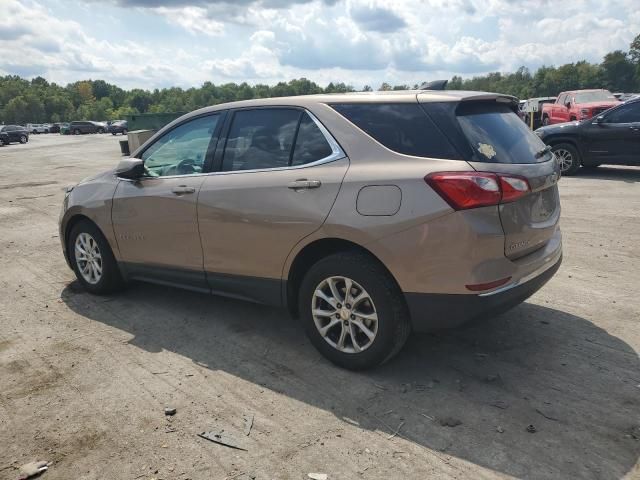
(185, 167)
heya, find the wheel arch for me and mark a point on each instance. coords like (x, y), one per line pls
(71, 222)
(571, 141)
(312, 253)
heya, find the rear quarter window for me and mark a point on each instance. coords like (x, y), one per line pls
(401, 127)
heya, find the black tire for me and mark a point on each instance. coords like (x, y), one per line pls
(124, 131)
(1, 142)
(113, 133)
(573, 119)
(111, 279)
(575, 158)
(76, 132)
(393, 326)
(545, 121)
(100, 131)
(23, 139)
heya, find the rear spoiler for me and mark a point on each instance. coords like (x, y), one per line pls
(434, 85)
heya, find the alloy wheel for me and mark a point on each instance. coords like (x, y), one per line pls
(565, 159)
(23, 139)
(88, 258)
(344, 314)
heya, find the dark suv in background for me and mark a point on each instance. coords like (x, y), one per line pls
(119, 126)
(612, 137)
(15, 133)
(84, 126)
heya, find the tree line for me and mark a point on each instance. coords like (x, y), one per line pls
(39, 101)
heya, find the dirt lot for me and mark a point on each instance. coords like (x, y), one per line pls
(84, 379)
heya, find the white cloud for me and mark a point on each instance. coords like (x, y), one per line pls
(356, 41)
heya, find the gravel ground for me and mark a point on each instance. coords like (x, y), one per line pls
(84, 380)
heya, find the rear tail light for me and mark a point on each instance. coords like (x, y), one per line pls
(464, 190)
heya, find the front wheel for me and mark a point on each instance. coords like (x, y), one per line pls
(568, 158)
(353, 311)
(23, 139)
(92, 259)
(1, 142)
(100, 131)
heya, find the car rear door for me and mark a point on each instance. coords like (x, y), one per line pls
(155, 217)
(279, 172)
(502, 144)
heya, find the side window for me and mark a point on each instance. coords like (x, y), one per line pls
(183, 150)
(562, 100)
(625, 114)
(311, 145)
(261, 138)
(402, 127)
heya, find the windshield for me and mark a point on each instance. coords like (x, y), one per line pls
(597, 96)
(497, 135)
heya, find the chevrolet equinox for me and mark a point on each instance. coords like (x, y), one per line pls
(367, 215)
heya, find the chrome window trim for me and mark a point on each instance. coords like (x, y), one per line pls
(337, 154)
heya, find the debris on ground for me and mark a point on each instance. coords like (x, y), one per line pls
(450, 422)
(248, 423)
(397, 430)
(223, 439)
(547, 416)
(500, 404)
(499, 429)
(531, 429)
(33, 469)
(317, 476)
(170, 411)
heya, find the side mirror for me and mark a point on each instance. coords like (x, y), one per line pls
(131, 168)
(599, 119)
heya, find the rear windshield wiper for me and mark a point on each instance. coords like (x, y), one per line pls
(542, 152)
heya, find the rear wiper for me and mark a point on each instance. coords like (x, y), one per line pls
(545, 150)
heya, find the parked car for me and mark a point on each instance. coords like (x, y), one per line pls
(38, 128)
(16, 133)
(577, 105)
(366, 215)
(119, 126)
(55, 127)
(85, 126)
(612, 137)
(535, 104)
(4, 139)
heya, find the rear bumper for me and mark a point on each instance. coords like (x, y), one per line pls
(437, 311)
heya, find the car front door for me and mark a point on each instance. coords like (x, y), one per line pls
(155, 218)
(279, 174)
(615, 136)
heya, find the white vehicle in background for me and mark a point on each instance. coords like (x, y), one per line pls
(38, 127)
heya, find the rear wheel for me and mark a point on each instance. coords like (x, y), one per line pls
(101, 130)
(568, 158)
(353, 311)
(76, 132)
(124, 131)
(1, 142)
(92, 259)
(572, 119)
(545, 120)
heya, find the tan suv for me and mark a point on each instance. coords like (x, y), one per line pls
(366, 215)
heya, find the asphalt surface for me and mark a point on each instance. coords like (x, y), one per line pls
(84, 380)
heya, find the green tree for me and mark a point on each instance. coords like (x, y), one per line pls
(619, 71)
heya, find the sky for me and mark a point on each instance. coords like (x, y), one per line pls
(164, 43)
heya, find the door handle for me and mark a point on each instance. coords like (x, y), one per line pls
(304, 184)
(182, 189)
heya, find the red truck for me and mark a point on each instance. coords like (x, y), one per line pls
(578, 105)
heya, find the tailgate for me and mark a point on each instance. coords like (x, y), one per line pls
(531, 221)
(502, 143)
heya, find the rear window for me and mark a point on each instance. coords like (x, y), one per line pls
(401, 127)
(497, 135)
